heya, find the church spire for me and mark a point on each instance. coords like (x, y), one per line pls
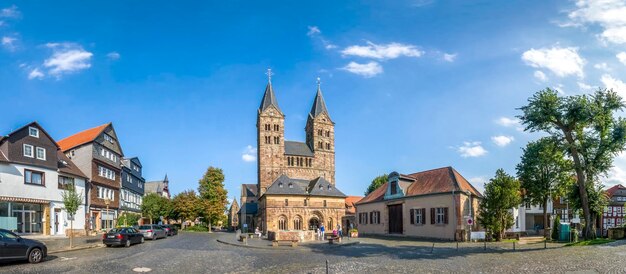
(319, 106)
(269, 99)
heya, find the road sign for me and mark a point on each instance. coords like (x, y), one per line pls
(470, 221)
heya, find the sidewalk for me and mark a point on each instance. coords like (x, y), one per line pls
(57, 244)
(230, 239)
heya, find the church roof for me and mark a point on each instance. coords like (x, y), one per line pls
(249, 190)
(269, 98)
(297, 148)
(251, 208)
(319, 106)
(291, 186)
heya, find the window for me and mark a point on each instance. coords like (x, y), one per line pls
(297, 223)
(65, 181)
(329, 224)
(33, 132)
(280, 185)
(319, 132)
(276, 140)
(375, 217)
(282, 223)
(106, 193)
(286, 202)
(28, 151)
(306, 202)
(276, 127)
(109, 138)
(40, 153)
(268, 139)
(328, 146)
(320, 145)
(106, 173)
(324, 203)
(34, 177)
(290, 185)
(363, 218)
(417, 216)
(327, 133)
(310, 162)
(439, 215)
(108, 154)
(394, 188)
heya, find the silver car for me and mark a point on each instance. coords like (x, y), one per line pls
(152, 232)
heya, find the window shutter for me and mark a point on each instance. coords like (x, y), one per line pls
(432, 216)
(445, 215)
(423, 215)
(371, 217)
(378, 216)
(412, 212)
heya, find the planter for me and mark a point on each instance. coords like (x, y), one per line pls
(354, 234)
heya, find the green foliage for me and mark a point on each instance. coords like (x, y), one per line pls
(556, 227)
(591, 242)
(186, 205)
(197, 228)
(71, 199)
(128, 219)
(376, 183)
(501, 194)
(213, 195)
(586, 128)
(155, 206)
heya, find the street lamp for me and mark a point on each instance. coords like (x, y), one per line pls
(469, 200)
(107, 202)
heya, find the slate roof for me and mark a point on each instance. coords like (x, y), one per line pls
(250, 190)
(82, 137)
(298, 149)
(269, 98)
(319, 106)
(157, 186)
(438, 180)
(284, 185)
(67, 166)
(251, 208)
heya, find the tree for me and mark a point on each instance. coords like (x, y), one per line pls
(597, 201)
(585, 126)
(376, 183)
(212, 195)
(154, 206)
(556, 228)
(544, 173)
(71, 202)
(128, 219)
(186, 205)
(501, 195)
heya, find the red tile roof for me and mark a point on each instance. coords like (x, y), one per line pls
(350, 201)
(445, 179)
(614, 188)
(81, 138)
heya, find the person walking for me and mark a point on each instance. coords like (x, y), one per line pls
(339, 231)
(350, 231)
(322, 229)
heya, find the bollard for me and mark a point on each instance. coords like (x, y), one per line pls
(431, 249)
(457, 246)
(544, 244)
(485, 248)
(327, 266)
(513, 246)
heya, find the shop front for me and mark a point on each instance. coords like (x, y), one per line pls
(24, 217)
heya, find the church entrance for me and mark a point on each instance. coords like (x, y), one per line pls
(314, 223)
(395, 219)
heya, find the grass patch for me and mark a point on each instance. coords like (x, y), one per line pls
(197, 228)
(509, 241)
(591, 242)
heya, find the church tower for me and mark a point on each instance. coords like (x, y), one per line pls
(270, 138)
(320, 136)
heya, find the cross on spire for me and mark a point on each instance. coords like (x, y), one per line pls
(319, 82)
(269, 75)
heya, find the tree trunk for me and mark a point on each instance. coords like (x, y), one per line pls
(71, 233)
(545, 218)
(581, 181)
(210, 226)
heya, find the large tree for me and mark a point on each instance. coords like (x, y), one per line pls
(155, 206)
(212, 195)
(376, 183)
(501, 195)
(186, 206)
(71, 202)
(544, 173)
(586, 127)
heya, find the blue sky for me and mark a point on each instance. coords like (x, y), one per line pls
(411, 85)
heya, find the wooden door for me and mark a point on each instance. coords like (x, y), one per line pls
(395, 219)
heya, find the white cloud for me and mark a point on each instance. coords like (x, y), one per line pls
(602, 66)
(449, 57)
(621, 57)
(9, 43)
(584, 86)
(510, 122)
(388, 51)
(471, 149)
(561, 61)
(35, 73)
(67, 58)
(113, 55)
(502, 140)
(609, 14)
(10, 12)
(249, 154)
(313, 30)
(370, 69)
(540, 76)
(559, 88)
(479, 182)
(617, 85)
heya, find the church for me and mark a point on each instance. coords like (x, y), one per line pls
(296, 190)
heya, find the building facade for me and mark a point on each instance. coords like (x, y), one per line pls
(288, 197)
(615, 212)
(159, 187)
(437, 204)
(131, 194)
(33, 175)
(97, 153)
(233, 217)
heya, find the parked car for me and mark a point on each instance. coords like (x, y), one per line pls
(171, 230)
(152, 232)
(125, 236)
(14, 247)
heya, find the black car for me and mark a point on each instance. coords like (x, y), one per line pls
(170, 229)
(14, 247)
(122, 236)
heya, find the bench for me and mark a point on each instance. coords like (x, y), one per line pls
(294, 243)
(243, 239)
(332, 239)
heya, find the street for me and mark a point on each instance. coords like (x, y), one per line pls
(201, 253)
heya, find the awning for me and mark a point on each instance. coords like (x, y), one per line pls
(23, 200)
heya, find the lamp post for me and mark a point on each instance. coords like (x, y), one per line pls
(469, 200)
(107, 202)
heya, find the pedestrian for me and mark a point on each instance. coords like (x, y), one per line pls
(350, 231)
(317, 232)
(339, 231)
(322, 229)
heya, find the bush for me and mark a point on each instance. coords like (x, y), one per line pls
(573, 235)
(197, 228)
(556, 227)
(353, 230)
(131, 219)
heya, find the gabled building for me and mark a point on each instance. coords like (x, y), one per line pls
(33, 176)
(131, 195)
(97, 153)
(615, 212)
(233, 217)
(249, 207)
(158, 187)
(434, 204)
(350, 216)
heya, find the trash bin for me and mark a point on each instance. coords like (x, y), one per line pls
(564, 232)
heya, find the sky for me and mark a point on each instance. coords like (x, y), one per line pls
(411, 85)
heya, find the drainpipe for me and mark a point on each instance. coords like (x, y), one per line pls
(454, 214)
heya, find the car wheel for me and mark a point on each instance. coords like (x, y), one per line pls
(35, 256)
(127, 243)
(142, 240)
(154, 237)
(108, 245)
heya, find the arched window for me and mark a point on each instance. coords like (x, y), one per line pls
(282, 223)
(297, 223)
(329, 224)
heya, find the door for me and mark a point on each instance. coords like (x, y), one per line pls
(57, 221)
(20, 220)
(395, 219)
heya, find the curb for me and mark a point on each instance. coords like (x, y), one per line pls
(75, 248)
(279, 248)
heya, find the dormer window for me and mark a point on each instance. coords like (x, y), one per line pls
(280, 185)
(290, 185)
(321, 187)
(108, 138)
(394, 188)
(28, 151)
(40, 153)
(329, 187)
(33, 132)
